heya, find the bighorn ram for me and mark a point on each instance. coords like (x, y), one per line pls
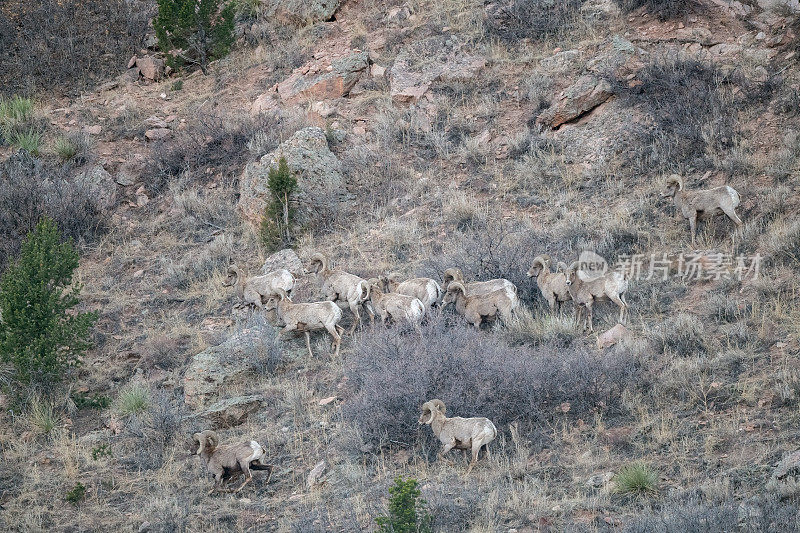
(426, 289)
(254, 291)
(553, 285)
(457, 432)
(475, 307)
(228, 462)
(585, 291)
(340, 286)
(702, 204)
(398, 307)
(477, 287)
(308, 317)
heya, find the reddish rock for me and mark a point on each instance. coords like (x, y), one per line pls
(576, 100)
(156, 134)
(150, 68)
(324, 78)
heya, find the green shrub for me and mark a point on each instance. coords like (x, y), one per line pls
(41, 334)
(178, 85)
(133, 400)
(194, 32)
(43, 418)
(13, 112)
(100, 451)
(77, 494)
(408, 512)
(636, 479)
(29, 140)
(95, 401)
(71, 147)
(276, 226)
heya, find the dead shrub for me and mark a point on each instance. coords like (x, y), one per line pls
(476, 374)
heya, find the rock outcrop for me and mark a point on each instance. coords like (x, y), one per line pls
(575, 101)
(319, 177)
(325, 77)
(231, 412)
(221, 367)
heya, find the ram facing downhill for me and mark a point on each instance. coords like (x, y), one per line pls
(340, 286)
(255, 290)
(462, 433)
(226, 463)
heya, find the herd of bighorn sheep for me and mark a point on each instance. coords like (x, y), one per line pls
(410, 300)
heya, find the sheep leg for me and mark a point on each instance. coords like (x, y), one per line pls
(308, 343)
(447, 447)
(693, 226)
(589, 317)
(248, 476)
(476, 448)
(617, 300)
(337, 339)
(354, 310)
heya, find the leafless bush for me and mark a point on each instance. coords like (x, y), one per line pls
(68, 45)
(148, 436)
(29, 190)
(533, 19)
(683, 335)
(693, 109)
(475, 374)
(165, 352)
(214, 145)
(662, 9)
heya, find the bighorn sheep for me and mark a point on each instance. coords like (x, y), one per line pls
(553, 285)
(254, 291)
(426, 289)
(475, 307)
(228, 462)
(399, 307)
(340, 286)
(478, 287)
(702, 204)
(457, 432)
(307, 317)
(584, 292)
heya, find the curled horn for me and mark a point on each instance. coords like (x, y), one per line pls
(543, 260)
(211, 438)
(198, 438)
(439, 404)
(675, 179)
(457, 286)
(321, 259)
(366, 287)
(452, 274)
(561, 266)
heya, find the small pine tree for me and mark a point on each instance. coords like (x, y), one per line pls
(194, 31)
(408, 512)
(40, 334)
(276, 226)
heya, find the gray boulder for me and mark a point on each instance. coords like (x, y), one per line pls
(231, 412)
(101, 184)
(319, 177)
(230, 364)
(286, 258)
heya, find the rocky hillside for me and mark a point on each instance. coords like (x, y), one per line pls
(424, 135)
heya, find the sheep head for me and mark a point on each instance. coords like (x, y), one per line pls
(207, 441)
(540, 263)
(390, 281)
(571, 273)
(375, 285)
(429, 409)
(453, 274)
(453, 289)
(674, 185)
(233, 276)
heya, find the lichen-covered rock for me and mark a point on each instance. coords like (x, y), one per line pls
(231, 412)
(319, 177)
(229, 364)
(324, 77)
(101, 184)
(414, 71)
(303, 12)
(286, 258)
